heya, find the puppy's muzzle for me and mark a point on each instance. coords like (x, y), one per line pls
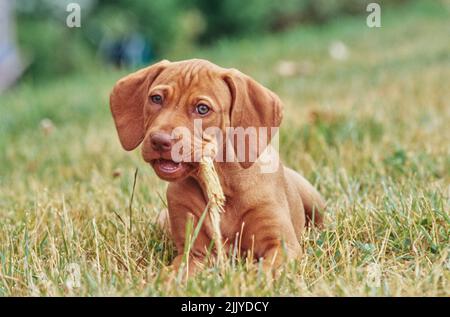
(161, 142)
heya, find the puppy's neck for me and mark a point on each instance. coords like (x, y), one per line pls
(236, 179)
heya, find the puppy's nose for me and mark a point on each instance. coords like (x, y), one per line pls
(161, 142)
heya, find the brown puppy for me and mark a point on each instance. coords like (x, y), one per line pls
(266, 212)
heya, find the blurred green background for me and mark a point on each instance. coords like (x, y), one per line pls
(111, 31)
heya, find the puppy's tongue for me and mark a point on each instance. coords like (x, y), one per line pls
(168, 166)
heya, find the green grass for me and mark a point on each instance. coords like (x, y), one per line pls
(370, 132)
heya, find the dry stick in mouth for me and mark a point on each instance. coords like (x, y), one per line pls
(216, 200)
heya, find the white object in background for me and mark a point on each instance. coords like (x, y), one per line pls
(338, 51)
(11, 66)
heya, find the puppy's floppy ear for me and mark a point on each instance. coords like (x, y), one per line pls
(253, 105)
(127, 101)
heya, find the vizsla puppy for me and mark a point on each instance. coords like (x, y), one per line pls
(265, 211)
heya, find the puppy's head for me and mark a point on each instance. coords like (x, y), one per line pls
(153, 105)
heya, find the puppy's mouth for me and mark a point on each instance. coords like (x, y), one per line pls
(167, 166)
(168, 169)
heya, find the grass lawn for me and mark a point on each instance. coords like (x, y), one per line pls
(371, 132)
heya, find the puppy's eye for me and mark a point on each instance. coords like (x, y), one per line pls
(156, 99)
(202, 109)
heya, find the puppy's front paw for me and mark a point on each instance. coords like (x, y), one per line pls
(190, 268)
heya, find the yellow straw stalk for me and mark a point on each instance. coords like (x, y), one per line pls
(216, 200)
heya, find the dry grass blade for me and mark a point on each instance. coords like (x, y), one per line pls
(216, 200)
(130, 207)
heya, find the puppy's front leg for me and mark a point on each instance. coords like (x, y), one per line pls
(271, 238)
(179, 221)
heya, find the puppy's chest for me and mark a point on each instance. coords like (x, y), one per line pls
(230, 222)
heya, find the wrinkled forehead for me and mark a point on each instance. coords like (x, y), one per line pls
(202, 76)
